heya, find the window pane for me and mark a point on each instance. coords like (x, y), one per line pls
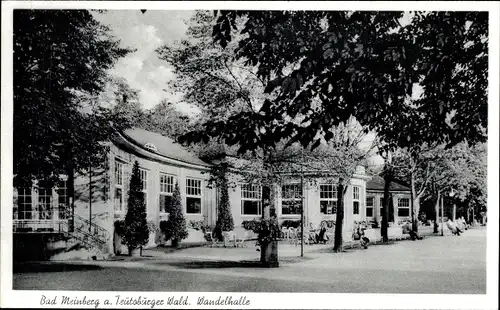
(24, 202)
(118, 199)
(250, 207)
(166, 183)
(193, 187)
(291, 191)
(62, 199)
(403, 212)
(404, 203)
(193, 205)
(144, 179)
(369, 201)
(291, 206)
(165, 202)
(355, 207)
(45, 203)
(328, 207)
(355, 193)
(118, 173)
(369, 212)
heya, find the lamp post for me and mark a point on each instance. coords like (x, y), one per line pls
(442, 215)
(302, 207)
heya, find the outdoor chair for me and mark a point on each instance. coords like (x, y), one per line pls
(229, 237)
(286, 233)
(292, 232)
(240, 235)
(330, 234)
(213, 241)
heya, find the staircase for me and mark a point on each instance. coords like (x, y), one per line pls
(90, 235)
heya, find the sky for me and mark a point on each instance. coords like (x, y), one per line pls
(142, 69)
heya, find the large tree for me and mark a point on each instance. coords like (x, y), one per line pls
(223, 87)
(61, 58)
(361, 64)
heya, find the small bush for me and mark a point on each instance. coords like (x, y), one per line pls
(175, 227)
(119, 227)
(267, 230)
(291, 223)
(251, 225)
(199, 225)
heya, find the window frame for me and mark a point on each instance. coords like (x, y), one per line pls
(407, 208)
(166, 186)
(188, 195)
(372, 206)
(356, 199)
(328, 199)
(119, 173)
(143, 175)
(258, 199)
(298, 199)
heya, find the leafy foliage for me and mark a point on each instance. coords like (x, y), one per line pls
(175, 227)
(136, 232)
(266, 230)
(361, 64)
(60, 62)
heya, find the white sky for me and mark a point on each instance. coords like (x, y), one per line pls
(142, 69)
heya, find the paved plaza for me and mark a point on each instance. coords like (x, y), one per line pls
(442, 265)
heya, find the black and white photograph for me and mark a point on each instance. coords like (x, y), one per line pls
(159, 155)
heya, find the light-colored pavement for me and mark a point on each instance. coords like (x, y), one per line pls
(447, 264)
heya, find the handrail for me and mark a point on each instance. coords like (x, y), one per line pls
(100, 230)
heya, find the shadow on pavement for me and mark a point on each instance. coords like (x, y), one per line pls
(214, 264)
(52, 267)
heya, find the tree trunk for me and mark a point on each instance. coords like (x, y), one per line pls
(414, 225)
(385, 214)
(71, 198)
(436, 210)
(268, 250)
(340, 217)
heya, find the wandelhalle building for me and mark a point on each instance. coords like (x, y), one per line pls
(47, 214)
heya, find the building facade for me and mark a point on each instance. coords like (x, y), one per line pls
(163, 164)
(399, 201)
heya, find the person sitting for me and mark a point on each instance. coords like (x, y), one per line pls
(312, 233)
(413, 234)
(321, 235)
(455, 230)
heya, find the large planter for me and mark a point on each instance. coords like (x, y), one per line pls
(135, 252)
(176, 243)
(269, 254)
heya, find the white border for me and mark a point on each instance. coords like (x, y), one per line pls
(9, 298)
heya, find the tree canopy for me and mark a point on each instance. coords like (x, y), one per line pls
(61, 58)
(322, 67)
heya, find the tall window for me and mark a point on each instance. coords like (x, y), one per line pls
(251, 196)
(355, 199)
(369, 206)
(45, 203)
(118, 186)
(193, 196)
(144, 180)
(166, 192)
(403, 207)
(328, 198)
(25, 206)
(62, 199)
(291, 199)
